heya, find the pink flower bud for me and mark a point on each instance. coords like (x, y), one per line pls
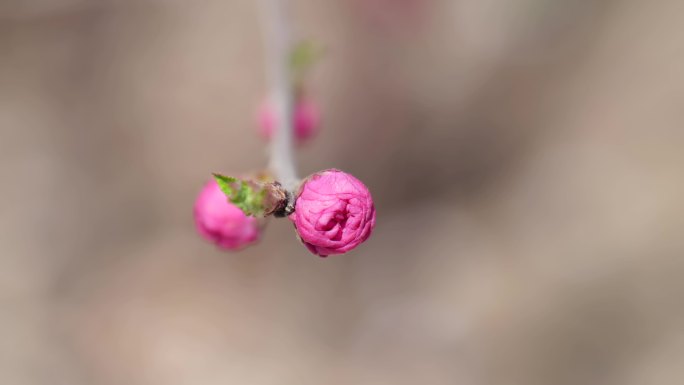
(306, 120)
(221, 222)
(334, 213)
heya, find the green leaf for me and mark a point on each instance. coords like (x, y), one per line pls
(225, 184)
(303, 57)
(248, 196)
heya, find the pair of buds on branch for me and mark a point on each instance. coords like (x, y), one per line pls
(332, 211)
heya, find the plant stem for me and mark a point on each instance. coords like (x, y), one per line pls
(277, 46)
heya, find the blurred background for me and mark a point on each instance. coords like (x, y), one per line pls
(525, 157)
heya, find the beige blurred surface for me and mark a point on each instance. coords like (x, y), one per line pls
(525, 158)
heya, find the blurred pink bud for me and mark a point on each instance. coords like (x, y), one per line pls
(306, 120)
(334, 213)
(221, 222)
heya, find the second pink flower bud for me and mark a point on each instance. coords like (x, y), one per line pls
(306, 118)
(221, 222)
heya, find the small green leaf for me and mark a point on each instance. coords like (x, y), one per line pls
(303, 56)
(225, 184)
(248, 196)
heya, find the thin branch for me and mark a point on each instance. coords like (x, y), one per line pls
(277, 46)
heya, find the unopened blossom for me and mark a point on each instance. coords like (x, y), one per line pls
(221, 222)
(306, 118)
(334, 213)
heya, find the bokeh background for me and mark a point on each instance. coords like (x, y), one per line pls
(525, 156)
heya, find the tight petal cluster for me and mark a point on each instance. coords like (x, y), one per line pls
(334, 213)
(221, 222)
(306, 120)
